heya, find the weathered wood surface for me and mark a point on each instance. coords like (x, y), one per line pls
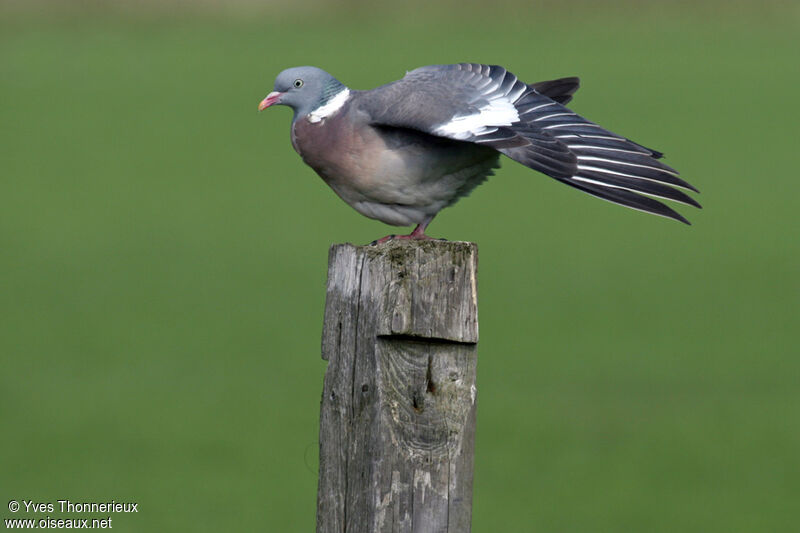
(397, 420)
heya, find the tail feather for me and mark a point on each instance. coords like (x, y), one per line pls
(560, 90)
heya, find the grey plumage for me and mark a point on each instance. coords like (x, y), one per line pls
(403, 151)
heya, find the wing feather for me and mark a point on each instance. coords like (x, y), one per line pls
(489, 106)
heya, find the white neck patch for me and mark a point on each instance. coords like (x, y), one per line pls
(333, 105)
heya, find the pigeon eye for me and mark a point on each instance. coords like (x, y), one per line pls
(298, 83)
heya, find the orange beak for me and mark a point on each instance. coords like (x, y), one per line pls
(271, 99)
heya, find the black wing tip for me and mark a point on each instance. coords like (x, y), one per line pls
(694, 203)
(680, 218)
(683, 183)
(630, 199)
(665, 211)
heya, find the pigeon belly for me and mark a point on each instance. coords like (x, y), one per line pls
(398, 176)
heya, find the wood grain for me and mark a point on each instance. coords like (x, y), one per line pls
(397, 417)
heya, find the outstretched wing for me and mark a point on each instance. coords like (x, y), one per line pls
(465, 102)
(489, 106)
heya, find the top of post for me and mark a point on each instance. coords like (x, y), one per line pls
(422, 289)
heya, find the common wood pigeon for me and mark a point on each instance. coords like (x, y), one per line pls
(402, 152)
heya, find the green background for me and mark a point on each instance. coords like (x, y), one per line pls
(163, 259)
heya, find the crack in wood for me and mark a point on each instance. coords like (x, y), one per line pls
(423, 339)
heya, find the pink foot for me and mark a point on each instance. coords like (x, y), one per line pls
(418, 234)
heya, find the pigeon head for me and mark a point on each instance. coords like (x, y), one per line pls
(303, 89)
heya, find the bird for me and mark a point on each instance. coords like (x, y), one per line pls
(402, 152)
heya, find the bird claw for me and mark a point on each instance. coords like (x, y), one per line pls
(383, 240)
(410, 237)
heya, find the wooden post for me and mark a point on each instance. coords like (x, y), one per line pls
(397, 417)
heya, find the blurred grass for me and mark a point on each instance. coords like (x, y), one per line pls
(164, 254)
